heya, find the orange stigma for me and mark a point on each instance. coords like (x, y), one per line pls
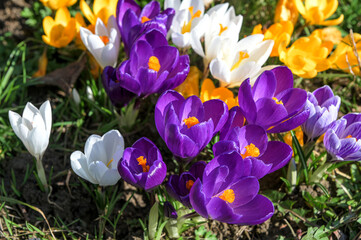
(189, 184)
(251, 151)
(228, 196)
(153, 63)
(111, 160)
(242, 56)
(142, 162)
(191, 121)
(104, 39)
(187, 27)
(277, 101)
(144, 19)
(222, 29)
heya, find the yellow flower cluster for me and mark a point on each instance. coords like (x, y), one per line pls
(61, 30)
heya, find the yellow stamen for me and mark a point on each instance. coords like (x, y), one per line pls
(277, 101)
(189, 184)
(228, 196)
(144, 19)
(111, 160)
(222, 29)
(153, 63)
(187, 27)
(242, 56)
(142, 162)
(251, 151)
(104, 39)
(191, 121)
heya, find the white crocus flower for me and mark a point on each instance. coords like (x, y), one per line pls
(237, 62)
(104, 44)
(187, 22)
(98, 164)
(33, 128)
(220, 23)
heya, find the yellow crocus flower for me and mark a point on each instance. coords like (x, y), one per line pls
(43, 63)
(209, 91)
(56, 4)
(102, 9)
(330, 34)
(190, 86)
(286, 11)
(279, 32)
(345, 48)
(60, 31)
(306, 56)
(287, 138)
(315, 12)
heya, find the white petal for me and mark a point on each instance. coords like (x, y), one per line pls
(109, 56)
(29, 111)
(45, 110)
(112, 24)
(261, 52)
(15, 121)
(96, 46)
(250, 42)
(79, 165)
(172, 4)
(100, 28)
(196, 44)
(220, 70)
(84, 33)
(113, 141)
(38, 142)
(244, 71)
(181, 40)
(97, 170)
(110, 178)
(89, 144)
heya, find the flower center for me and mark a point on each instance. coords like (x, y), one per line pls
(277, 101)
(144, 19)
(228, 196)
(251, 151)
(153, 63)
(104, 39)
(187, 27)
(189, 184)
(222, 29)
(191, 121)
(111, 160)
(242, 56)
(142, 161)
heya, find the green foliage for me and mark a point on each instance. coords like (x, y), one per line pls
(202, 233)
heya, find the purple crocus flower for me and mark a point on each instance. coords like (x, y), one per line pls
(153, 66)
(179, 186)
(343, 140)
(188, 125)
(323, 107)
(272, 102)
(142, 165)
(228, 192)
(134, 21)
(169, 211)
(251, 142)
(118, 95)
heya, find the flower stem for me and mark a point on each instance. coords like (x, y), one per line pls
(41, 173)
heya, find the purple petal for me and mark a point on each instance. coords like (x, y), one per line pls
(246, 102)
(284, 78)
(278, 154)
(198, 199)
(265, 86)
(220, 210)
(244, 191)
(322, 94)
(292, 123)
(216, 110)
(259, 168)
(156, 175)
(150, 10)
(235, 119)
(255, 212)
(123, 6)
(293, 99)
(269, 112)
(197, 169)
(224, 146)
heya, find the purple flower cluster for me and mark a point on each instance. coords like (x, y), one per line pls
(153, 66)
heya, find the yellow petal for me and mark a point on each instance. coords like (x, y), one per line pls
(257, 29)
(300, 7)
(207, 89)
(333, 21)
(62, 16)
(84, 7)
(48, 23)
